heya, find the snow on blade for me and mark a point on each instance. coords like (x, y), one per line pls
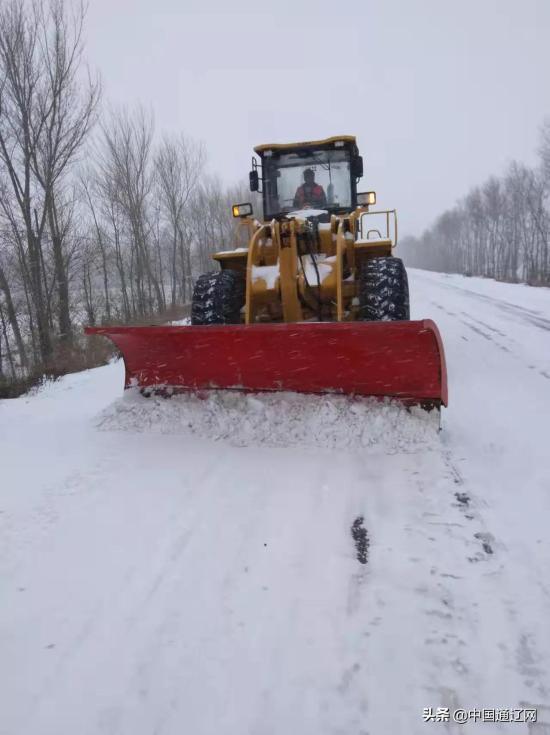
(276, 419)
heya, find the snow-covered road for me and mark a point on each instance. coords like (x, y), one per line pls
(166, 583)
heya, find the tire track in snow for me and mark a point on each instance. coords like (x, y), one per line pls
(467, 502)
(509, 599)
(483, 334)
(528, 316)
(475, 325)
(485, 325)
(527, 663)
(430, 567)
(482, 329)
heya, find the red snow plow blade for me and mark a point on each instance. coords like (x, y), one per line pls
(401, 360)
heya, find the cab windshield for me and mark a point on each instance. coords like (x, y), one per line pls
(307, 180)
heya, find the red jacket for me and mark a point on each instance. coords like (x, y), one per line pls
(315, 196)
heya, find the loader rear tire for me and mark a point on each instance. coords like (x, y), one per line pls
(383, 290)
(218, 298)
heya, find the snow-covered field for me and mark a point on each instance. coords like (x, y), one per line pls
(158, 577)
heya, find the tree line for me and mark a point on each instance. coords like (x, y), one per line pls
(102, 220)
(499, 230)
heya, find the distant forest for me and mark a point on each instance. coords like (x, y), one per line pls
(102, 220)
(500, 229)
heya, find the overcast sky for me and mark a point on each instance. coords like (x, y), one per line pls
(440, 93)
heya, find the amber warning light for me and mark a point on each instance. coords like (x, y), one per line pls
(242, 210)
(366, 198)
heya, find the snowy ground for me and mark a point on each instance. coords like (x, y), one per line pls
(154, 581)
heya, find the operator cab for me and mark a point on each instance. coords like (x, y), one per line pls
(290, 173)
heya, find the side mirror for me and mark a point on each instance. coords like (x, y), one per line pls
(357, 167)
(254, 180)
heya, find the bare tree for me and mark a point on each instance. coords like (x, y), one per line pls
(125, 165)
(544, 148)
(68, 110)
(46, 112)
(179, 164)
(130, 239)
(500, 230)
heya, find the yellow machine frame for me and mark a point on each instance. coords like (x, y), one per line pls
(277, 288)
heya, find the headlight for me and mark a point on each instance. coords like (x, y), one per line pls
(242, 210)
(365, 198)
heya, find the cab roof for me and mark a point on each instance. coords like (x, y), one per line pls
(305, 144)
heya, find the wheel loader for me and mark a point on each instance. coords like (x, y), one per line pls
(310, 299)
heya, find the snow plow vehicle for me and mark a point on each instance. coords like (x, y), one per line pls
(314, 301)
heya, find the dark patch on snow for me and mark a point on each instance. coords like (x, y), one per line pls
(157, 391)
(485, 539)
(463, 498)
(454, 472)
(361, 539)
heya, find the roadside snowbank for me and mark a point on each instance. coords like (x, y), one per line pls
(277, 419)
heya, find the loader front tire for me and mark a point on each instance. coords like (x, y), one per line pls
(383, 291)
(218, 298)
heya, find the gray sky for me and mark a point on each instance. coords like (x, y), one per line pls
(440, 93)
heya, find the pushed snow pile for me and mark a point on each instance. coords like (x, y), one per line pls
(276, 419)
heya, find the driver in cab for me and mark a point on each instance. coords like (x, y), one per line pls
(310, 194)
